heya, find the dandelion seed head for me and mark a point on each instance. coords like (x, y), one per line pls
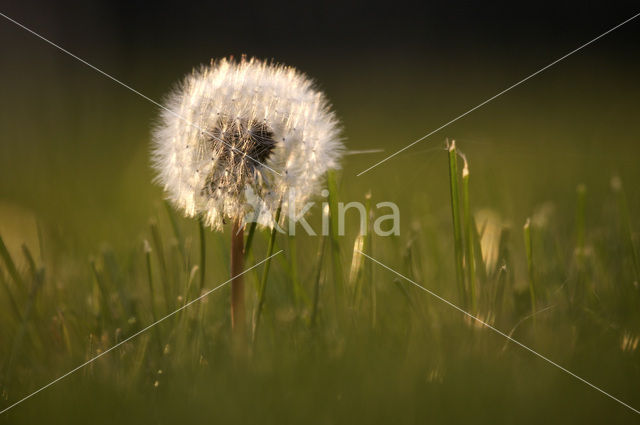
(237, 135)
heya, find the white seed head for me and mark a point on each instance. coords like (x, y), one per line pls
(236, 136)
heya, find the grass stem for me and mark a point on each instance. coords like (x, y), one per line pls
(152, 296)
(333, 230)
(265, 274)
(159, 247)
(469, 234)
(316, 285)
(11, 266)
(455, 215)
(249, 242)
(625, 217)
(528, 246)
(12, 301)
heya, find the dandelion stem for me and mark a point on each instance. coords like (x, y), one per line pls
(237, 284)
(455, 215)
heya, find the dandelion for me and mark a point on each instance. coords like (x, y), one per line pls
(234, 138)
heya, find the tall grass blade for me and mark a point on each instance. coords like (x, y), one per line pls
(152, 296)
(299, 293)
(355, 272)
(159, 247)
(265, 274)
(581, 191)
(11, 266)
(333, 230)
(105, 308)
(528, 246)
(316, 283)
(30, 261)
(176, 231)
(625, 217)
(249, 242)
(38, 280)
(480, 266)
(469, 234)
(455, 215)
(12, 301)
(368, 271)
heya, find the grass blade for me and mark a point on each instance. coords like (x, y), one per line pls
(265, 274)
(316, 285)
(528, 245)
(104, 294)
(625, 217)
(299, 294)
(249, 242)
(12, 301)
(157, 242)
(469, 234)
(455, 215)
(177, 232)
(333, 230)
(11, 266)
(152, 297)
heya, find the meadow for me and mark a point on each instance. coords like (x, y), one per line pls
(548, 222)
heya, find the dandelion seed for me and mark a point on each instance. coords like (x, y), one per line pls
(239, 136)
(235, 137)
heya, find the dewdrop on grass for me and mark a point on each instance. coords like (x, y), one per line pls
(238, 138)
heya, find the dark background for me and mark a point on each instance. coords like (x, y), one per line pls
(74, 144)
(131, 34)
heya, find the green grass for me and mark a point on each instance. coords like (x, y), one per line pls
(416, 355)
(341, 340)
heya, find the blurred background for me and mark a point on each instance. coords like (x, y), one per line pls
(74, 162)
(74, 144)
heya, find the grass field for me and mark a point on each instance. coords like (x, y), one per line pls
(94, 255)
